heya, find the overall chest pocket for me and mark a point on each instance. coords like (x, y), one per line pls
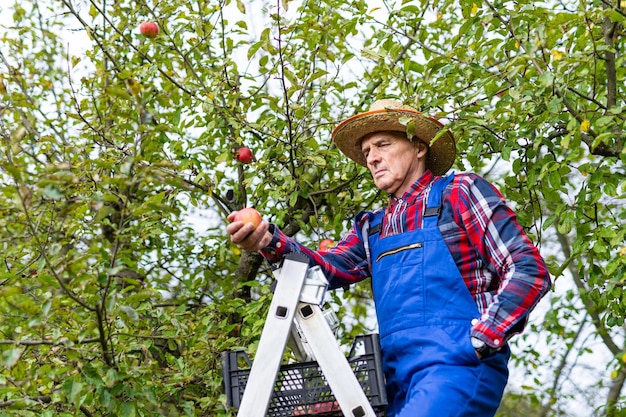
(393, 255)
(399, 250)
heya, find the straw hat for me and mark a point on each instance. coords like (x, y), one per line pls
(391, 115)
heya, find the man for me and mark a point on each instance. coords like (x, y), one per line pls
(454, 276)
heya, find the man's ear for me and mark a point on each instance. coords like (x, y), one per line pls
(422, 149)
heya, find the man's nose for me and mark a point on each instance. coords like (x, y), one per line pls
(372, 156)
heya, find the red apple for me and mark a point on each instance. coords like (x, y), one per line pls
(326, 244)
(149, 29)
(244, 155)
(248, 215)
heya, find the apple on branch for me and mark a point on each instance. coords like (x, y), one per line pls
(149, 29)
(326, 244)
(244, 155)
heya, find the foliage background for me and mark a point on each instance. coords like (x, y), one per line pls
(119, 288)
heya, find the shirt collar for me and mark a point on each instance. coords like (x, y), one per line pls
(415, 190)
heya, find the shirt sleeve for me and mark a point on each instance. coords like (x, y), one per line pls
(523, 277)
(344, 264)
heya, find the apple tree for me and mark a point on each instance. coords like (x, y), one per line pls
(120, 163)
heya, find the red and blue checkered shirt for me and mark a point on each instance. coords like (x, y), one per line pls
(501, 267)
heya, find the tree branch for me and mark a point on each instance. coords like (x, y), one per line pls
(591, 308)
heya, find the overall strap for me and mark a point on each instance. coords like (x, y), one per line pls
(433, 205)
(370, 230)
(375, 223)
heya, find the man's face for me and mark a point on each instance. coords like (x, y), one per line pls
(395, 163)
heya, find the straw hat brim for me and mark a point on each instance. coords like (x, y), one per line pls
(349, 133)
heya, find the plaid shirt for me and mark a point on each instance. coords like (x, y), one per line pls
(501, 267)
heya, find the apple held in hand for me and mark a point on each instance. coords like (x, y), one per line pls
(149, 29)
(326, 244)
(244, 155)
(248, 215)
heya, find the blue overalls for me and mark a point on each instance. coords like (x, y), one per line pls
(424, 312)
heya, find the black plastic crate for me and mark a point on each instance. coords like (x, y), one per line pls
(301, 388)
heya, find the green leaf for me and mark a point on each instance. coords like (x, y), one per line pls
(130, 312)
(127, 410)
(72, 390)
(91, 375)
(11, 356)
(547, 79)
(52, 192)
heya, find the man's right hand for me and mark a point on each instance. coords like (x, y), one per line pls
(246, 236)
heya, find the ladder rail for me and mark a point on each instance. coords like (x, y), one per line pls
(273, 339)
(333, 363)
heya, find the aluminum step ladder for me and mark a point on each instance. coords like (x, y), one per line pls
(296, 317)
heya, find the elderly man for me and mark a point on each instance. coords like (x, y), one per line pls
(454, 276)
